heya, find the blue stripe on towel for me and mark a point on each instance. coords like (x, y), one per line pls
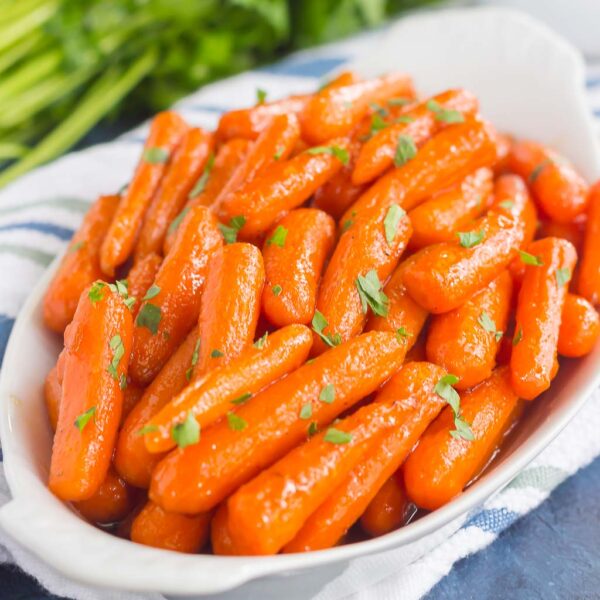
(6, 325)
(493, 520)
(64, 233)
(314, 67)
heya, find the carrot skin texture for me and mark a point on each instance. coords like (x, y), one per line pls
(80, 266)
(209, 398)
(170, 531)
(53, 395)
(141, 277)
(132, 461)
(198, 477)
(296, 267)
(588, 284)
(458, 341)
(411, 389)
(377, 154)
(182, 173)
(556, 186)
(388, 508)
(181, 280)
(80, 459)
(166, 131)
(441, 465)
(538, 317)
(220, 537)
(579, 327)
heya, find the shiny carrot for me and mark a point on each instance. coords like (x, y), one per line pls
(555, 185)
(97, 348)
(419, 123)
(412, 393)
(465, 340)
(52, 396)
(538, 315)
(132, 394)
(573, 231)
(295, 251)
(132, 461)
(80, 265)
(141, 277)
(588, 284)
(442, 465)
(199, 476)
(172, 304)
(166, 131)
(438, 220)
(222, 389)
(579, 327)
(170, 531)
(182, 173)
(285, 186)
(221, 542)
(388, 509)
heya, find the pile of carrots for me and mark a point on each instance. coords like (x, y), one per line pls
(324, 314)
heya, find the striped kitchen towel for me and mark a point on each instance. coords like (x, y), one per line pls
(40, 212)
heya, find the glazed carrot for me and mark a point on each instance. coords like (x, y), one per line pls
(171, 531)
(132, 461)
(112, 502)
(132, 394)
(335, 111)
(588, 284)
(52, 395)
(221, 542)
(442, 465)
(295, 251)
(80, 265)
(411, 392)
(438, 219)
(166, 131)
(538, 315)
(172, 305)
(285, 186)
(222, 389)
(573, 232)
(579, 327)
(421, 122)
(504, 144)
(465, 340)
(141, 277)
(97, 349)
(417, 352)
(555, 185)
(182, 173)
(341, 79)
(388, 509)
(198, 477)
(444, 276)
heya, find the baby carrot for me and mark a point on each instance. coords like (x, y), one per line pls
(219, 391)
(438, 219)
(579, 327)
(182, 172)
(442, 464)
(444, 276)
(295, 251)
(555, 185)
(538, 315)
(166, 131)
(141, 277)
(573, 231)
(465, 340)
(53, 390)
(388, 509)
(112, 502)
(171, 531)
(588, 284)
(132, 394)
(132, 461)
(335, 111)
(412, 393)
(199, 476)
(285, 186)
(419, 124)
(97, 349)
(80, 265)
(172, 304)
(230, 305)
(220, 538)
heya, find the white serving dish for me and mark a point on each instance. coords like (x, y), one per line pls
(504, 58)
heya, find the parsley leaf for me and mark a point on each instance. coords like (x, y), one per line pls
(371, 294)
(95, 294)
(261, 341)
(116, 345)
(507, 204)
(392, 220)
(445, 391)
(337, 436)
(149, 317)
(530, 259)
(216, 353)
(147, 429)
(399, 101)
(563, 276)
(200, 185)
(279, 236)
(230, 232)
(468, 239)
(276, 289)
(186, 433)
(312, 429)
(235, 422)
(319, 322)
(346, 225)
(405, 150)
(152, 292)
(242, 399)
(327, 394)
(377, 124)
(518, 336)
(261, 96)
(445, 115)
(306, 411)
(402, 334)
(537, 171)
(378, 109)
(489, 325)
(76, 246)
(463, 430)
(195, 354)
(337, 151)
(156, 156)
(83, 419)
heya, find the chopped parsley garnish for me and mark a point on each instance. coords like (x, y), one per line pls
(216, 353)
(392, 220)
(276, 289)
(152, 292)
(405, 150)
(261, 96)
(312, 429)
(95, 294)
(242, 399)
(149, 317)
(530, 259)
(518, 336)
(230, 232)
(444, 390)
(156, 156)
(402, 334)
(235, 422)
(370, 292)
(195, 354)
(340, 153)
(116, 345)
(563, 276)
(201, 183)
(399, 101)
(306, 411)
(261, 341)
(537, 171)
(489, 325)
(186, 433)
(319, 322)
(468, 239)
(346, 225)
(176, 222)
(445, 115)
(327, 394)
(76, 246)
(83, 419)
(337, 436)
(279, 236)
(378, 109)
(147, 429)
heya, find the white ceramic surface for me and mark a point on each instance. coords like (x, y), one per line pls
(502, 57)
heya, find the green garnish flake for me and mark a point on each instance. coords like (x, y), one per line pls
(195, 354)
(200, 185)
(319, 322)
(116, 345)
(152, 292)
(279, 236)
(186, 433)
(156, 156)
(537, 171)
(261, 341)
(489, 325)
(122, 381)
(392, 220)
(216, 353)
(444, 390)
(276, 289)
(149, 317)
(378, 109)
(313, 428)
(399, 101)
(377, 124)
(445, 115)
(306, 411)
(278, 154)
(95, 294)
(468, 239)
(507, 204)
(404, 119)
(242, 399)
(518, 336)
(530, 259)
(176, 222)
(235, 422)
(405, 150)
(337, 436)
(402, 334)
(76, 246)
(463, 430)
(337, 151)
(84, 418)
(147, 429)
(230, 232)
(370, 292)
(327, 394)
(346, 225)
(261, 96)
(563, 276)
(121, 287)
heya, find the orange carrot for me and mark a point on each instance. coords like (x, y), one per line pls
(199, 476)
(166, 131)
(573, 232)
(295, 251)
(53, 395)
(588, 284)
(222, 544)
(538, 315)
(97, 348)
(388, 509)
(579, 327)
(132, 394)
(141, 277)
(80, 265)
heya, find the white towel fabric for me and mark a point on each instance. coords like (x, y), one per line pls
(38, 215)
